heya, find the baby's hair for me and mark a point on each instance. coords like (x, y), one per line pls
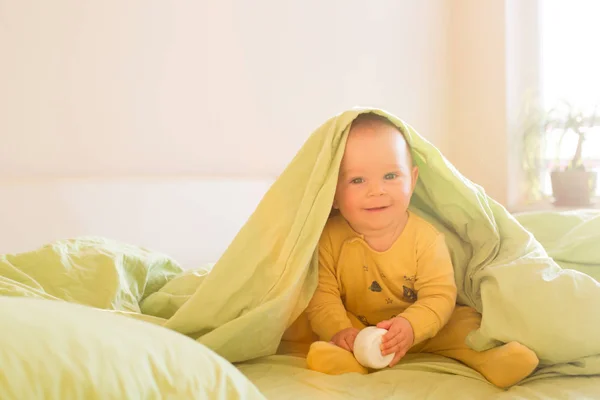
(370, 118)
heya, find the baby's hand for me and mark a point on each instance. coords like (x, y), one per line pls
(399, 338)
(345, 338)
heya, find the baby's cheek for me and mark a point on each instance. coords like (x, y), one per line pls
(348, 199)
(354, 207)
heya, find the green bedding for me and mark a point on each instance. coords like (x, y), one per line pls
(422, 376)
(63, 335)
(265, 278)
(570, 237)
(55, 350)
(93, 271)
(263, 282)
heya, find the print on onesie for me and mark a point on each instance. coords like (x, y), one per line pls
(375, 287)
(409, 294)
(364, 320)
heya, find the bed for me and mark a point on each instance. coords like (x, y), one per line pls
(191, 221)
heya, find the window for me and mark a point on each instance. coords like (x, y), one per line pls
(570, 70)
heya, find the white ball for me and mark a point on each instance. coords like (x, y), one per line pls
(367, 348)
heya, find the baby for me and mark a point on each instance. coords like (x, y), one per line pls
(381, 265)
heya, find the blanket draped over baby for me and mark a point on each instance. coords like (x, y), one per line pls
(267, 275)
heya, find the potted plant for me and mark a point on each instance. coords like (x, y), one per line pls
(572, 184)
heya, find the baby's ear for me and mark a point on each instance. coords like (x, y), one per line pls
(415, 176)
(335, 205)
(415, 172)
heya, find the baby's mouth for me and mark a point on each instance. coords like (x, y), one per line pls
(376, 209)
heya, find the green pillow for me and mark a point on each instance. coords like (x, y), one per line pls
(57, 350)
(93, 271)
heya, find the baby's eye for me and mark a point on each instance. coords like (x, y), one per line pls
(391, 175)
(356, 181)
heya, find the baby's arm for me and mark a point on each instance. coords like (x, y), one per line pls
(436, 291)
(326, 311)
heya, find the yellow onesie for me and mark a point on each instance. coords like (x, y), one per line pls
(414, 279)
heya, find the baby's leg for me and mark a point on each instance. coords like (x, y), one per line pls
(503, 366)
(330, 359)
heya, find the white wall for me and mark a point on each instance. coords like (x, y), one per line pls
(478, 84)
(233, 88)
(191, 220)
(213, 87)
(494, 63)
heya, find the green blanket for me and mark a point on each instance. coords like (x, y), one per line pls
(571, 238)
(266, 277)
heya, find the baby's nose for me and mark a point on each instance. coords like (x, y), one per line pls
(376, 188)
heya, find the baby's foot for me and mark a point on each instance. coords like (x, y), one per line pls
(330, 359)
(509, 364)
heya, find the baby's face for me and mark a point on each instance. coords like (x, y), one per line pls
(376, 178)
